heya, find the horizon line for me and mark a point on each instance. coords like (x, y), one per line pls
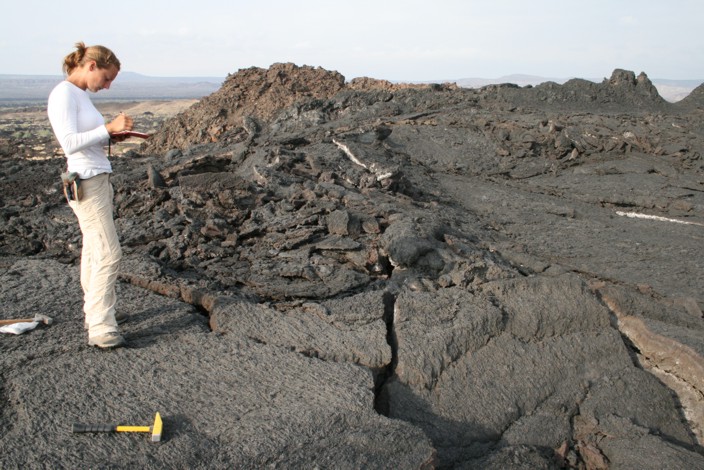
(444, 80)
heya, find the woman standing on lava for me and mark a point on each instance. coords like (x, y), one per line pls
(83, 135)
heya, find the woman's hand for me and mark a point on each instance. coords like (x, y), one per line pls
(121, 123)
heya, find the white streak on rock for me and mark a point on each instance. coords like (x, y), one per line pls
(636, 215)
(349, 153)
(380, 173)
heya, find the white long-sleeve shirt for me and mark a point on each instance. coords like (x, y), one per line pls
(80, 130)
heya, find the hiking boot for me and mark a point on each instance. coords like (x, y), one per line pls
(108, 340)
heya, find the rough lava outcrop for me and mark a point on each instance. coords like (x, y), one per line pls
(370, 275)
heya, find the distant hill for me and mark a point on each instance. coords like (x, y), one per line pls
(129, 86)
(134, 86)
(670, 90)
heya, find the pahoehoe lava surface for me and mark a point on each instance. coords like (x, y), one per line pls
(332, 274)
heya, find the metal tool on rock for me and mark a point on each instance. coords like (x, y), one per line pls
(38, 318)
(155, 429)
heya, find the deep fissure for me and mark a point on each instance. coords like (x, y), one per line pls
(381, 399)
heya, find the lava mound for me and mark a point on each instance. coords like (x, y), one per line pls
(253, 92)
(622, 91)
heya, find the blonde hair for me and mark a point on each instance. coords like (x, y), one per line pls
(102, 56)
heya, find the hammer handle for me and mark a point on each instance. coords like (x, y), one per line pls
(12, 322)
(78, 427)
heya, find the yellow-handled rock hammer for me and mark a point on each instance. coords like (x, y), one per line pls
(155, 429)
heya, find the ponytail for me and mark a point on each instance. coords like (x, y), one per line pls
(102, 56)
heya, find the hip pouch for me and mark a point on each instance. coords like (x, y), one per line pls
(72, 186)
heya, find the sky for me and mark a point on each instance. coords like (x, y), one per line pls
(408, 40)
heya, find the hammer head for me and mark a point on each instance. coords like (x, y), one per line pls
(156, 428)
(43, 319)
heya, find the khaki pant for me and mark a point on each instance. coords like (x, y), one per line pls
(100, 256)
